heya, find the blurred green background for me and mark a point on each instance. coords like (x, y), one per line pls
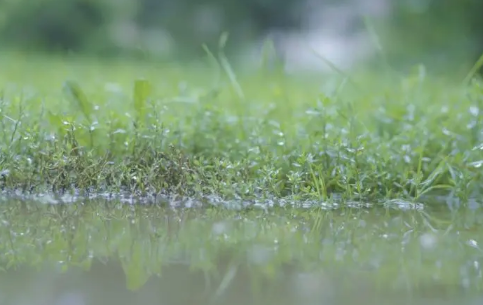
(436, 32)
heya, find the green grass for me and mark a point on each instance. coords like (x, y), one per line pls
(205, 132)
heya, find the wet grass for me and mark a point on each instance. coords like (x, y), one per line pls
(81, 126)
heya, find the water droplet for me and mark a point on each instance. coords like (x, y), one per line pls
(312, 112)
(476, 164)
(119, 131)
(472, 243)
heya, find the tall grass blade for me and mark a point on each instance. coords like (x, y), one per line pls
(476, 67)
(79, 98)
(142, 92)
(270, 58)
(336, 69)
(215, 64)
(227, 67)
(377, 42)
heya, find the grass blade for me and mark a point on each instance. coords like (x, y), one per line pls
(76, 95)
(142, 91)
(215, 64)
(227, 67)
(476, 67)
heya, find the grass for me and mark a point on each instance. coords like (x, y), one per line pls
(85, 126)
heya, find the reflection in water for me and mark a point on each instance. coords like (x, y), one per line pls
(105, 284)
(116, 254)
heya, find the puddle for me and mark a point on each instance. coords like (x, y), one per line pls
(108, 252)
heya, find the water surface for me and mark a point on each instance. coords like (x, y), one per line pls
(107, 252)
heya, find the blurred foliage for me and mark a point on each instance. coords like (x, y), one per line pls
(413, 28)
(108, 26)
(49, 25)
(436, 31)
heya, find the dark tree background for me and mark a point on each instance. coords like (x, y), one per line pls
(432, 29)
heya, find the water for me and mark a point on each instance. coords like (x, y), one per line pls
(105, 252)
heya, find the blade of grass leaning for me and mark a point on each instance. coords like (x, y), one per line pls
(266, 51)
(215, 64)
(227, 67)
(142, 91)
(270, 59)
(476, 67)
(376, 41)
(79, 98)
(335, 68)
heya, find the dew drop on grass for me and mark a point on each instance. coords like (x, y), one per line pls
(119, 131)
(312, 112)
(476, 164)
(472, 243)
